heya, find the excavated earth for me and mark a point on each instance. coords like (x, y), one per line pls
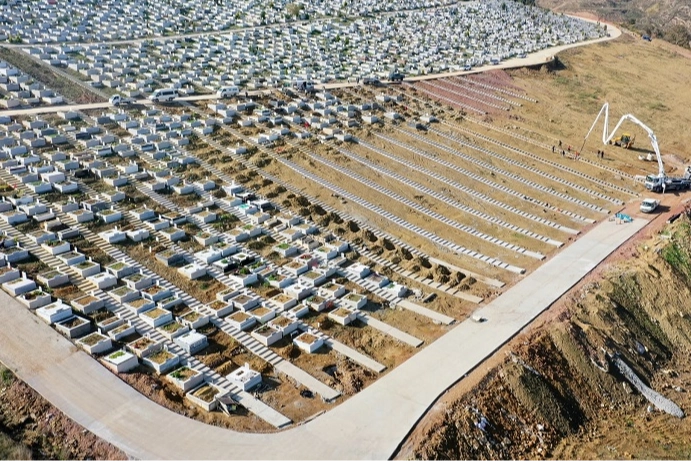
(553, 392)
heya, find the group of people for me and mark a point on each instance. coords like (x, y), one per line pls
(576, 154)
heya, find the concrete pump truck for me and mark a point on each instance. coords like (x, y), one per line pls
(654, 183)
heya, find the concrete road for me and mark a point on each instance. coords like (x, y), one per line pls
(369, 425)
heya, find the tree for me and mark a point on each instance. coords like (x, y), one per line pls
(678, 34)
(294, 9)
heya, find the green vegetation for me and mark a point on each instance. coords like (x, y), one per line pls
(182, 374)
(6, 375)
(676, 253)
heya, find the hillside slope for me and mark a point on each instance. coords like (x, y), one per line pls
(553, 394)
(668, 19)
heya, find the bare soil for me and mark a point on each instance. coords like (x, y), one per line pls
(31, 428)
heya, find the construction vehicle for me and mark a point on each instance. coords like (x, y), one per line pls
(625, 141)
(655, 183)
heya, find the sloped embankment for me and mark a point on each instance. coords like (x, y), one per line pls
(558, 393)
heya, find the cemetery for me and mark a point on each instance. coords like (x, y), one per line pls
(260, 246)
(468, 34)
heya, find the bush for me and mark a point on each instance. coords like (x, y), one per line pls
(6, 376)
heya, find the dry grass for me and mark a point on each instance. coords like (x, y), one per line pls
(634, 76)
(46, 75)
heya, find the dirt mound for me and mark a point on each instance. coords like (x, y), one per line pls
(388, 245)
(422, 262)
(404, 254)
(335, 217)
(300, 201)
(317, 210)
(369, 236)
(353, 226)
(456, 278)
(350, 379)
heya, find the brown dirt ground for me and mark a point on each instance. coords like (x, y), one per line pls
(38, 430)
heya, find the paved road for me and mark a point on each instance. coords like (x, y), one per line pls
(539, 57)
(369, 425)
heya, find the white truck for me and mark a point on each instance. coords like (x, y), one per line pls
(117, 100)
(227, 92)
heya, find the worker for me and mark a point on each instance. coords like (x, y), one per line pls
(664, 186)
(552, 149)
(563, 154)
(560, 143)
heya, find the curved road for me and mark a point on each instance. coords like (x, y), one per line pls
(370, 425)
(533, 59)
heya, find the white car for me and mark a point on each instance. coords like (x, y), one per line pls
(649, 205)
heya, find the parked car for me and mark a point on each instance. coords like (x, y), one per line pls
(649, 205)
(396, 77)
(371, 81)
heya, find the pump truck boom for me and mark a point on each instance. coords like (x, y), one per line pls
(655, 183)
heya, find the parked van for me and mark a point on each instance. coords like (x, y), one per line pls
(164, 95)
(227, 91)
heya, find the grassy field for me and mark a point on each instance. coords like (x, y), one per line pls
(9, 449)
